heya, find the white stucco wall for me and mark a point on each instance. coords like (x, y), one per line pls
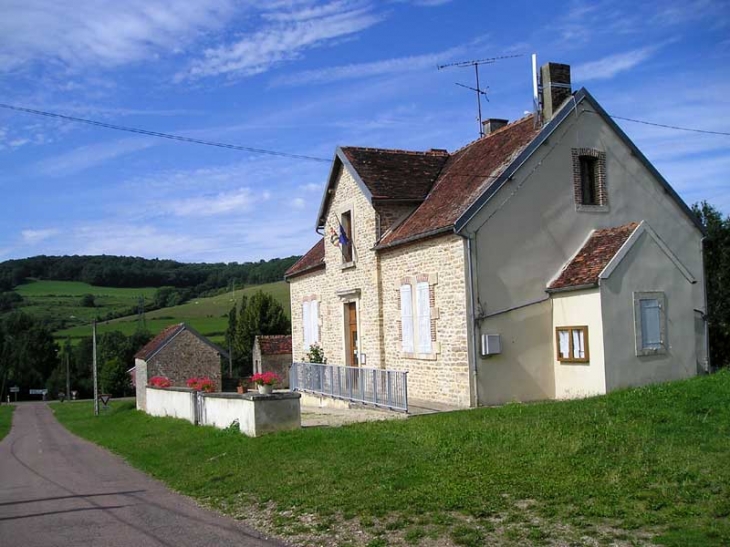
(171, 402)
(572, 309)
(531, 228)
(647, 268)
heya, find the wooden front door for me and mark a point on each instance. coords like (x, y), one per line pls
(351, 334)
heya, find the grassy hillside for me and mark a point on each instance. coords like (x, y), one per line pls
(209, 316)
(60, 301)
(635, 467)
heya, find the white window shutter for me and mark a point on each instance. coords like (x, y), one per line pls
(406, 315)
(651, 335)
(424, 318)
(314, 315)
(307, 325)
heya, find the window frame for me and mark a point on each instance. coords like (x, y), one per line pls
(661, 298)
(589, 180)
(583, 158)
(417, 321)
(572, 358)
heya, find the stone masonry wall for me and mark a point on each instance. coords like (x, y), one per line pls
(324, 285)
(442, 376)
(186, 356)
(373, 282)
(392, 214)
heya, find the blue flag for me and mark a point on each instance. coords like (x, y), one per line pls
(343, 236)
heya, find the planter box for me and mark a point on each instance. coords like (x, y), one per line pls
(256, 414)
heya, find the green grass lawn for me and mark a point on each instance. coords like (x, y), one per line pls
(209, 316)
(60, 301)
(636, 466)
(6, 416)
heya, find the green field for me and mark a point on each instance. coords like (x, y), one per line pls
(6, 417)
(60, 301)
(209, 316)
(636, 467)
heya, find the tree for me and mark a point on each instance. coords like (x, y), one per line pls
(113, 377)
(259, 314)
(88, 301)
(717, 280)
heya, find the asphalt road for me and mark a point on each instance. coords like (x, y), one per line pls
(59, 490)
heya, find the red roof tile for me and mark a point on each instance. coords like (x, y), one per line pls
(274, 344)
(465, 176)
(396, 174)
(593, 257)
(312, 260)
(158, 341)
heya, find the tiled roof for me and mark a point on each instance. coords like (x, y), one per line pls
(593, 257)
(158, 341)
(312, 260)
(396, 174)
(465, 176)
(274, 344)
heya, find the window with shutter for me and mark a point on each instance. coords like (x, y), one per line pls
(650, 322)
(306, 324)
(314, 318)
(572, 344)
(406, 314)
(424, 317)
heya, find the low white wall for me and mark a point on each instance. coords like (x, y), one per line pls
(173, 402)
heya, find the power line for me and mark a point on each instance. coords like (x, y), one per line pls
(162, 135)
(672, 126)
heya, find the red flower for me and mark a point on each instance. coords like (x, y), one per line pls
(201, 384)
(265, 378)
(160, 381)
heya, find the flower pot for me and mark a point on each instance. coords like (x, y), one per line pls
(239, 389)
(265, 389)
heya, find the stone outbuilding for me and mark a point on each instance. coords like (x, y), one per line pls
(179, 352)
(273, 353)
(546, 259)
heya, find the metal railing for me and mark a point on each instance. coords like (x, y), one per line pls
(373, 386)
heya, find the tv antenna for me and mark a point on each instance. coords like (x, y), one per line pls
(478, 90)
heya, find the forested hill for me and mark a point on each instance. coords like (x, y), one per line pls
(123, 271)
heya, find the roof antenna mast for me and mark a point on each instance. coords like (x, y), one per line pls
(478, 90)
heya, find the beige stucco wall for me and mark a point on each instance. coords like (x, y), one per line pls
(140, 383)
(444, 375)
(531, 227)
(647, 268)
(573, 309)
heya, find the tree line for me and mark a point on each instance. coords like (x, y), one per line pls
(135, 272)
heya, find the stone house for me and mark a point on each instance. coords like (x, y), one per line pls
(547, 259)
(179, 352)
(272, 353)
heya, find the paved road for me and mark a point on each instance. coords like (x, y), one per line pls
(59, 490)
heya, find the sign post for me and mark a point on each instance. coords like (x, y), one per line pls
(96, 382)
(14, 390)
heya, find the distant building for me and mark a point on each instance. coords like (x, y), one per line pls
(272, 353)
(178, 353)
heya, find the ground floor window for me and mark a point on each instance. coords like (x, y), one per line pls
(572, 344)
(650, 322)
(310, 323)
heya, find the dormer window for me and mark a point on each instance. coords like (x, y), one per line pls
(589, 179)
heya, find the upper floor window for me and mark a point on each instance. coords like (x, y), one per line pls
(346, 236)
(589, 179)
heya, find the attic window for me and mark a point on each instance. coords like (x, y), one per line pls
(589, 179)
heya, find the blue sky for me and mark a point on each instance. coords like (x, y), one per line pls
(303, 76)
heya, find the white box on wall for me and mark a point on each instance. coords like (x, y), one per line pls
(491, 345)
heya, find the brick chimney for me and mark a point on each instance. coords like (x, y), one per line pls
(555, 78)
(492, 124)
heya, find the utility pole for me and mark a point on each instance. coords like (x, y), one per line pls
(478, 90)
(96, 381)
(68, 373)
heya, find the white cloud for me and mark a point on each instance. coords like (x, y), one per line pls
(85, 157)
(398, 65)
(298, 203)
(224, 202)
(102, 32)
(284, 37)
(31, 237)
(312, 187)
(608, 67)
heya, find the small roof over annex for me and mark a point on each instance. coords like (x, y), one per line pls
(167, 335)
(274, 344)
(312, 260)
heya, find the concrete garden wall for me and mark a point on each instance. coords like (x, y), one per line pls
(256, 414)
